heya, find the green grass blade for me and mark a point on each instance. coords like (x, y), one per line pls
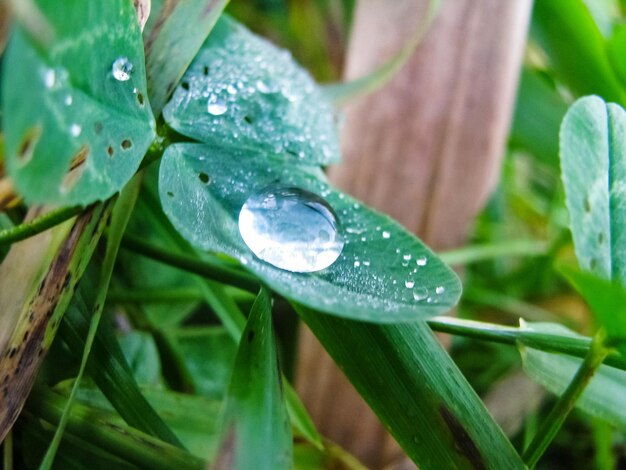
(429, 407)
(341, 93)
(180, 29)
(256, 431)
(120, 215)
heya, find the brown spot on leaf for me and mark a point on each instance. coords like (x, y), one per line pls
(462, 440)
(29, 141)
(77, 168)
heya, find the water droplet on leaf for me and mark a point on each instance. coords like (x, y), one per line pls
(386, 234)
(216, 106)
(409, 283)
(75, 130)
(122, 68)
(421, 261)
(291, 228)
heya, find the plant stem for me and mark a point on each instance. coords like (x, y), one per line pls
(211, 268)
(555, 419)
(8, 452)
(475, 253)
(38, 224)
(155, 295)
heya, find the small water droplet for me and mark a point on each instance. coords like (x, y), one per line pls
(75, 130)
(421, 261)
(440, 290)
(262, 87)
(122, 68)
(406, 257)
(420, 293)
(231, 90)
(49, 78)
(366, 263)
(386, 234)
(216, 106)
(68, 100)
(357, 264)
(409, 283)
(283, 226)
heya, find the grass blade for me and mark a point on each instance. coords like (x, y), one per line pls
(256, 431)
(429, 407)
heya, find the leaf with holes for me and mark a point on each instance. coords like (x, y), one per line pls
(593, 163)
(383, 274)
(240, 89)
(80, 122)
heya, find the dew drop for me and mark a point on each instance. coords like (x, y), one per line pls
(406, 257)
(49, 78)
(421, 261)
(231, 90)
(75, 130)
(216, 106)
(68, 100)
(357, 264)
(409, 284)
(440, 290)
(262, 87)
(121, 69)
(291, 228)
(386, 234)
(420, 293)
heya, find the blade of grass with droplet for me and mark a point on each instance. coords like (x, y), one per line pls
(256, 431)
(429, 407)
(341, 93)
(179, 29)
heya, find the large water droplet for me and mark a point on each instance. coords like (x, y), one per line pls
(122, 68)
(216, 106)
(291, 228)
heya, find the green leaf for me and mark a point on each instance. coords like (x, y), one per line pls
(208, 354)
(616, 48)
(173, 41)
(384, 274)
(607, 300)
(576, 48)
(256, 431)
(593, 163)
(604, 396)
(538, 114)
(77, 134)
(242, 90)
(428, 406)
(142, 356)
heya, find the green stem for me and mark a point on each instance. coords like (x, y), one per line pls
(209, 267)
(577, 346)
(155, 295)
(38, 224)
(555, 419)
(475, 253)
(8, 452)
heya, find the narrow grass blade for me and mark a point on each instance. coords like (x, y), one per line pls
(256, 431)
(120, 215)
(429, 407)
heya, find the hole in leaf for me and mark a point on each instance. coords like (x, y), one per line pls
(205, 70)
(185, 86)
(77, 168)
(587, 205)
(204, 178)
(110, 150)
(126, 144)
(170, 194)
(140, 99)
(248, 119)
(27, 146)
(97, 127)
